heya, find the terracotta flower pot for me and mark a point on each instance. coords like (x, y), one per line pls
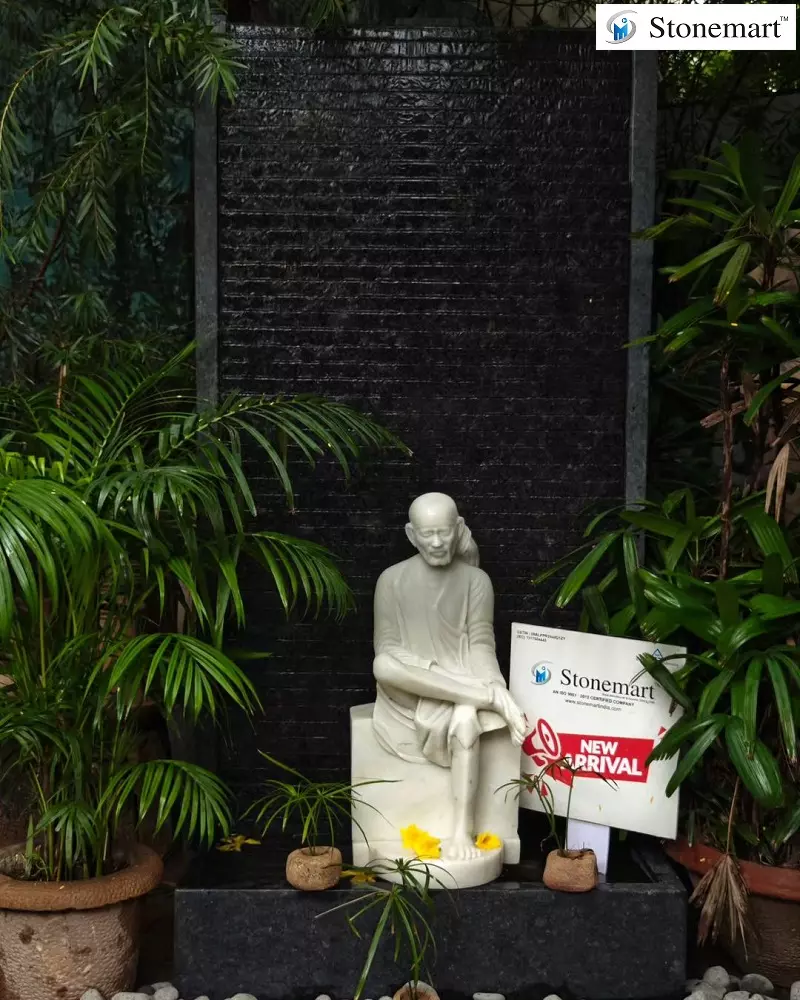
(59, 939)
(774, 911)
(314, 868)
(570, 871)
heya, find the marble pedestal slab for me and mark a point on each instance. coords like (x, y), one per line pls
(239, 926)
(420, 794)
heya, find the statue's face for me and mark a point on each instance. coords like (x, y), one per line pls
(435, 535)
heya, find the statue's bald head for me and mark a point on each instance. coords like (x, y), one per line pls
(433, 507)
(434, 528)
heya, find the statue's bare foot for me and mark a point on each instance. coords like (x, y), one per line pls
(461, 848)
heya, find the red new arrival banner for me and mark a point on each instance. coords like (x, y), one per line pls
(614, 758)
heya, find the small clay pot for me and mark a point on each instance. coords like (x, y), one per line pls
(570, 871)
(416, 991)
(314, 868)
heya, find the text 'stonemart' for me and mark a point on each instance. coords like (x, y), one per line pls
(757, 27)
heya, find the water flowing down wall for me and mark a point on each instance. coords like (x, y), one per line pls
(431, 224)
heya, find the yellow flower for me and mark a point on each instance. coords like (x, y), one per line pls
(359, 878)
(422, 844)
(488, 841)
(235, 842)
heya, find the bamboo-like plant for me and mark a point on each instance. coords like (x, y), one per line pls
(403, 910)
(124, 524)
(95, 138)
(719, 574)
(535, 783)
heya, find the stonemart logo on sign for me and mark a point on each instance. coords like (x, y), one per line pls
(758, 27)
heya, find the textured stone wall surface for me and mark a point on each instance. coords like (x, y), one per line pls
(431, 224)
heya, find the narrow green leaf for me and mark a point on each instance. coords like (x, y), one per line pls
(783, 702)
(666, 679)
(711, 207)
(732, 639)
(770, 607)
(787, 827)
(755, 765)
(678, 734)
(728, 603)
(695, 753)
(749, 707)
(677, 548)
(713, 691)
(788, 195)
(765, 392)
(578, 577)
(727, 246)
(732, 273)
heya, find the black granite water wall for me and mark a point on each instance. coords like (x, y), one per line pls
(432, 225)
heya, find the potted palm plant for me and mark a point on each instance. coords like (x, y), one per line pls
(123, 530)
(718, 572)
(318, 807)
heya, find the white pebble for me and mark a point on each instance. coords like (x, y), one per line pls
(737, 995)
(709, 991)
(717, 976)
(754, 983)
(488, 996)
(324, 996)
(243, 996)
(692, 984)
(131, 996)
(203, 997)
(553, 996)
(166, 993)
(155, 986)
(794, 991)
(92, 995)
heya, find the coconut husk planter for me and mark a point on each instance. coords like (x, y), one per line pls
(570, 871)
(313, 869)
(59, 939)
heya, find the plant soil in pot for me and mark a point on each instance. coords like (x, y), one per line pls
(314, 868)
(59, 939)
(570, 871)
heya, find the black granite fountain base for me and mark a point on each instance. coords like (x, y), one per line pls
(239, 926)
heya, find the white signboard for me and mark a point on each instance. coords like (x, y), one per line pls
(587, 699)
(688, 27)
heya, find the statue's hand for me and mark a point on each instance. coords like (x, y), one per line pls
(507, 708)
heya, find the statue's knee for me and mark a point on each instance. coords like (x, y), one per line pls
(465, 734)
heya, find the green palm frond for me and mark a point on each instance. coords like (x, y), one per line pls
(196, 800)
(302, 570)
(125, 515)
(78, 826)
(181, 670)
(35, 732)
(43, 527)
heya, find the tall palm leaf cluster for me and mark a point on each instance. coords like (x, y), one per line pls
(125, 520)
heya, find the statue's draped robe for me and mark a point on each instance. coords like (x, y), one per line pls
(445, 628)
